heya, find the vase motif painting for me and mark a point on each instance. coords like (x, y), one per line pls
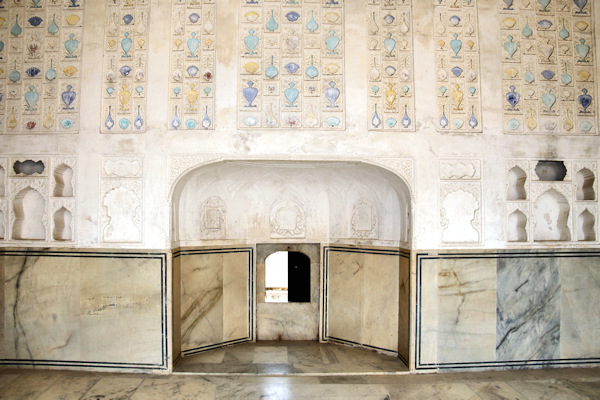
(456, 44)
(125, 67)
(192, 75)
(40, 56)
(547, 65)
(291, 65)
(390, 88)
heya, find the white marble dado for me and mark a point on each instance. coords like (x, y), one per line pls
(60, 309)
(362, 296)
(215, 297)
(505, 309)
(579, 311)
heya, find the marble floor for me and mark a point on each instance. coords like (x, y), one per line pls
(68, 385)
(291, 358)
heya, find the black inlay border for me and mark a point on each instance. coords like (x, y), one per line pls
(250, 337)
(162, 257)
(516, 364)
(324, 298)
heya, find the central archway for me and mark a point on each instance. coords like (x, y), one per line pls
(357, 213)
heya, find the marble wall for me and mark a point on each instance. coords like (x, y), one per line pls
(362, 298)
(505, 309)
(60, 310)
(216, 297)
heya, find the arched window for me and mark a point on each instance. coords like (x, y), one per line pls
(287, 278)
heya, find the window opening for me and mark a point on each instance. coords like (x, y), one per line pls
(287, 278)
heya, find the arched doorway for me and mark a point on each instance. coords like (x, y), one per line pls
(358, 215)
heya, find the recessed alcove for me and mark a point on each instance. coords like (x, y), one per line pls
(29, 206)
(585, 185)
(585, 226)
(294, 206)
(29, 167)
(516, 184)
(63, 181)
(517, 223)
(2, 182)
(62, 225)
(551, 170)
(551, 217)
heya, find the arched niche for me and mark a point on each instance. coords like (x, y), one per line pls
(516, 184)
(62, 225)
(2, 182)
(551, 217)
(323, 193)
(517, 227)
(28, 207)
(585, 227)
(63, 181)
(585, 185)
(2, 229)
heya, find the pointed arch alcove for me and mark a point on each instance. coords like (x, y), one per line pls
(517, 227)
(586, 226)
(29, 208)
(585, 185)
(63, 181)
(353, 214)
(552, 217)
(516, 184)
(62, 225)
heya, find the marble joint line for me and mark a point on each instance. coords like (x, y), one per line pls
(291, 72)
(40, 60)
(125, 67)
(548, 67)
(391, 74)
(456, 36)
(192, 77)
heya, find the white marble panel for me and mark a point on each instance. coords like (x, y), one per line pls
(427, 338)
(345, 296)
(404, 308)
(201, 300)
(235, 296)
(466, 310)
(579, 311)
(121, 316)
(287, 321)
(380, 301)
(92, 309)
(41, 310)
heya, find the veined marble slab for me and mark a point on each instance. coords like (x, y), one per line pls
(214, 297)
(466, 310)
(580, 314)
(529, 323)
(97, 309)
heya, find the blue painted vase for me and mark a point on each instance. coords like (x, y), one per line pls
(291, 94)
(250, 94)
(31, 98)
(332, 42)
(71, 45)
(585, 100)
(68, 97)
(193, 43)
(513, 98)
(332, 93)
(251, 42)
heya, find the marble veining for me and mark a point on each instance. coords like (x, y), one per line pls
(528, 325)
